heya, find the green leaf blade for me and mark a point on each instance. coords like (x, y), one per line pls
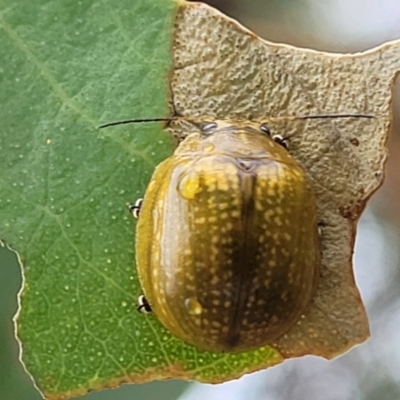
(65, 185)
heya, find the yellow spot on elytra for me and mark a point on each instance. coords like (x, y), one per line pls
(214, 239)
(279, 210)
(285, 252)
(268, 214)
(267, 282)
(190, 277)
(259, 205)
(193, 306)
(211, 186)
(214, 258)
(190, 187)
(223, 206)
(287, 236)
(229, 226)
(223, 184)
(215, 250)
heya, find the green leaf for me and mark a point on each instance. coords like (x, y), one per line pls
(66, 67)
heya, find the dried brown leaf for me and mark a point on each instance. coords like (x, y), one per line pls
(222, 69)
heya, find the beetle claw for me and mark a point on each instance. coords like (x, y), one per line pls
(135, 208)
(320, 226)
(143, 305)
(281, 140)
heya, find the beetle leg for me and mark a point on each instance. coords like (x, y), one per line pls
(143, 305)
(321, 225)
(281, 140)
(135, 208)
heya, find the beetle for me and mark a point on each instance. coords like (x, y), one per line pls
(227, 244)
(227, 241)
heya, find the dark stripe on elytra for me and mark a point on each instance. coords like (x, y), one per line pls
(244, 256)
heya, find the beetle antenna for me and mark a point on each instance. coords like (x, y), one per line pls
(320, 116)
(140, 120)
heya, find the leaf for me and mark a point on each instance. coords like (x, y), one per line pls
(68, 66)
(223, 70)
(65, 185)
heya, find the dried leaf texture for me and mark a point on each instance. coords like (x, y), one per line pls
(221, 69)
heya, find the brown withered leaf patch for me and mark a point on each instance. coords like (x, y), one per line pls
(222, 69)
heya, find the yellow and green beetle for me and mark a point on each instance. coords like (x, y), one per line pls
(227, 244)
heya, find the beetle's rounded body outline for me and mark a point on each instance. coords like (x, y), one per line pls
(227, 243)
